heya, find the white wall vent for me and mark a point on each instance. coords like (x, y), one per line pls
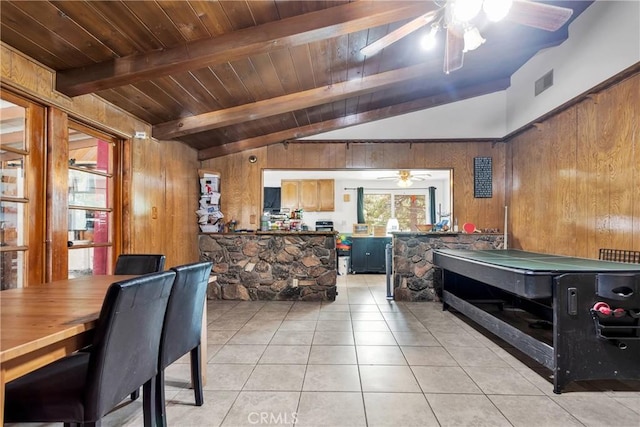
(544, 83)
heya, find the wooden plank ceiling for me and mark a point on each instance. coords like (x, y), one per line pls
(225, 76)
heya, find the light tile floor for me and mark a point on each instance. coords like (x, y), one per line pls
(366, 361)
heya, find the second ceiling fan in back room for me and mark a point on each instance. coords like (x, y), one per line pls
(457, 19)
(404, 178)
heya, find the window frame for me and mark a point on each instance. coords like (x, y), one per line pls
(114, 205)
(392, 202)
(33, 246)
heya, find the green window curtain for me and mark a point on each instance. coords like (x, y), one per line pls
(432, 204)
(360, 205)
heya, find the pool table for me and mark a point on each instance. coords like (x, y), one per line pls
(578, 317)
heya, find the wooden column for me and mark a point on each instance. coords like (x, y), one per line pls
(57, 195)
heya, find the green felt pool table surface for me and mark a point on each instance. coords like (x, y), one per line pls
(538, 263)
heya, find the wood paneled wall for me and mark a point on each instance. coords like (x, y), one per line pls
(162, 174)
(164, 196)
(241, 184)
(574, 180)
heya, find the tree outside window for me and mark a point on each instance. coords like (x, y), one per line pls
(410, 210)
(377, 208)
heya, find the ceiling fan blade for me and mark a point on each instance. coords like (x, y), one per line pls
(453, 55)
(539, 15)
(399, 33)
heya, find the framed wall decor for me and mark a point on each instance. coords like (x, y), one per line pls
(482, 177)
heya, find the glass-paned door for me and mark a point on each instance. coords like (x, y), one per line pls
(91, 202)
(14, 204)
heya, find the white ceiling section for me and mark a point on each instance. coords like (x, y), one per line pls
(480, 117)
(603, 41)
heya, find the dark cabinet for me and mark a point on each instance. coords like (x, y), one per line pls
(368, 254)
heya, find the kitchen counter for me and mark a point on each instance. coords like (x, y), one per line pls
(271, 265)
(415, 277)
(259, 232)
(332, 233)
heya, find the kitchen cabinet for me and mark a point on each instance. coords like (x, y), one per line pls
(326, 195)
(368, 254)
(289, 190)
(308, 196)
(311, 195)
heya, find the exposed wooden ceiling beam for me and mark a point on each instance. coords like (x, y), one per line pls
(297, 30)
(12, 113)
(355, 119)
(290, 102)
(9, 138)
(323, 95)
(89, 142)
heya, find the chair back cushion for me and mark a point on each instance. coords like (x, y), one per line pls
(126, 343)
(139, 263)
(183, 321)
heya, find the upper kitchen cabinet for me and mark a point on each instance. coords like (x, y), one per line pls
(311, 195)
(289, 190)
(308, 196)
(326, 195)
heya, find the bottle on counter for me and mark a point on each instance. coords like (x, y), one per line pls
(455, 225)
(264, 221)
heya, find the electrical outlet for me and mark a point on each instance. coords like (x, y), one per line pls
(294, 283)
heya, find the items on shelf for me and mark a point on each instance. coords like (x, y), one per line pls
(209, 214)
(343, 242)
(284, 220)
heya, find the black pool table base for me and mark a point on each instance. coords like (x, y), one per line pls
(584, 344)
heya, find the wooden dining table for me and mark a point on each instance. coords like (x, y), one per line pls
(45, 322)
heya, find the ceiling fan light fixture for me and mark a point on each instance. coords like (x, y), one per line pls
(465, 10)
(496, 9)
(429, 40)
(472, 39)
(404, 179)
(404, 183)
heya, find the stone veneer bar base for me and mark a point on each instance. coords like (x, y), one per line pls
(263, 266)
(415, 278)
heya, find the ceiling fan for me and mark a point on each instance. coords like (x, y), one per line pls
(456, 18)
(405, 178)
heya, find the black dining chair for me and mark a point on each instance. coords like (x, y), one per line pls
(139, 263)
(182, 329)
(83, 387)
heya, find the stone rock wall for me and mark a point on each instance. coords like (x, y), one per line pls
(415, 278)
(271, 266)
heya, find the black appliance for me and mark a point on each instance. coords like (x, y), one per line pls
(271, 199)
(324, 225)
